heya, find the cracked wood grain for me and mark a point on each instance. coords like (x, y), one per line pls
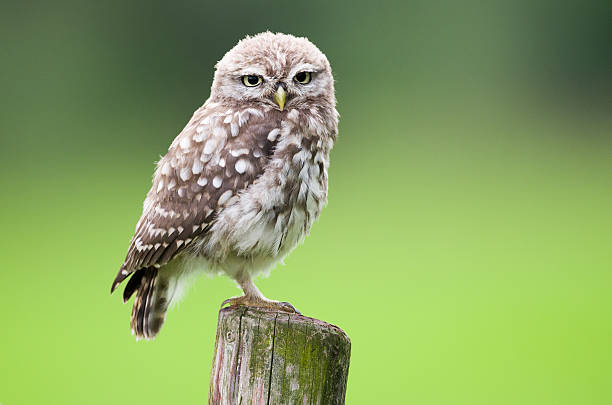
(263, 357)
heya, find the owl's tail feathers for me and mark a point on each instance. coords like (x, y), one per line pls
(151, 303)
(156, 290)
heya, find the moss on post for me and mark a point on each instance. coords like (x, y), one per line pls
(268, 357)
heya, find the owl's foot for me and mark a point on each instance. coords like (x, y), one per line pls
(258, 302)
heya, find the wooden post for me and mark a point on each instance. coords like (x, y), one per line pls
(273, 358)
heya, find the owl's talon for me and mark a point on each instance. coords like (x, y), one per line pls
(235, 302)
(287, 307)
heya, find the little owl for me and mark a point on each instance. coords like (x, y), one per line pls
(241, 184)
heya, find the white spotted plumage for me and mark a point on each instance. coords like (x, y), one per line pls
(242, 184)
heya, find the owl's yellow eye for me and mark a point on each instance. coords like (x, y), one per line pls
(303, 77)
(251, 80)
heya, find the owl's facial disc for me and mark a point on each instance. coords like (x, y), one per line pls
(275, 70)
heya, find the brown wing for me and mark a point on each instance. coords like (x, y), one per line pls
(217, 155)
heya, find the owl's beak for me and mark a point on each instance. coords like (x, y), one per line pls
(280, 96)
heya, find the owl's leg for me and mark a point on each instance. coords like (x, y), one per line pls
(254, 298)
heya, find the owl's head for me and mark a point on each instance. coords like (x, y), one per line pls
(279, 70)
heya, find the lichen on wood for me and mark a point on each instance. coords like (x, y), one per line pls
(268, 357)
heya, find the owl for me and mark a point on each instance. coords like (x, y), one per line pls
(241, 184)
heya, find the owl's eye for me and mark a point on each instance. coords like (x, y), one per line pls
(303, 77)
(251, 80)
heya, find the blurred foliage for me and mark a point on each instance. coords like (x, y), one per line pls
(466, 248)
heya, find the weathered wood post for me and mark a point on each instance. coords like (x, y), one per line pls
(268, 357)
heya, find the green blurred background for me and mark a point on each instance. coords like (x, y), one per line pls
(467, 244)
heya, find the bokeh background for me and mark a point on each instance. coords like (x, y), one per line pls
(467, 244)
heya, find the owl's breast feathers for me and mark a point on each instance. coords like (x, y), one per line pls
(228, 178)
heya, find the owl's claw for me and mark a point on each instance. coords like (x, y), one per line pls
(287, 307)
(234, 302)
(260, 303)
